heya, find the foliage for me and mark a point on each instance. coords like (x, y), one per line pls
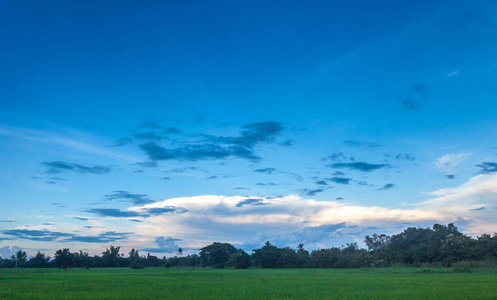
(217, 255)
(135, 265)
(439, 246)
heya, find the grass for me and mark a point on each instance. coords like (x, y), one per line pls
(160, 283)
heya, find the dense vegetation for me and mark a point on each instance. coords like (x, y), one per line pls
(441, 245)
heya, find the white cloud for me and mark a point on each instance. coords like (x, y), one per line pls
(290, 220)
(286, 220)
(454, 73)
(448, 162)
(475, 201)
(6, 252)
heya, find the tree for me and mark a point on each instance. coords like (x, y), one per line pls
(63, 258)
(134, 255)
(240, 259)
(39, 261)
(110, 256)
(216, 255)
(302, 256)
(180, 254)
(20, 258)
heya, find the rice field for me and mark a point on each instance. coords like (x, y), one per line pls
(161, 283)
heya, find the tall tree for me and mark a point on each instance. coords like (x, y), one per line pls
(216, 255)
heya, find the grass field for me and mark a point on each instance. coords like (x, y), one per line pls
(160, 283)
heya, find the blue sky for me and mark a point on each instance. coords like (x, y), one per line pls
(167, 124)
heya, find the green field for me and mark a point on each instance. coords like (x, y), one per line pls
(160, 283)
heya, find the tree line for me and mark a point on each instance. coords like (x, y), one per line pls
(442, 245)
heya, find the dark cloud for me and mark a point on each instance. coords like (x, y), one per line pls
(117, 213)
(340, 180)
(193, 152)
(149, 136)
(355, 143)
(339, 198)
(487, 167)
(113, 212)
(164, 245)
(164, 210)
(266, 184)
(137, 199)
(157, 133)
(450, 176)
(182, 170)
(336, 156)
(50, 182)
(479, 208)
(57, 178)
(217, 147)
(166, 178)
(106, 237)
(211, 177)
(387, 186)
(266, 170)
(338, 173)
(321, 182)
(35, 235)
(309, 192)
(359, 166)
(135, 220)
(405, 157)
(410, 105)
(48, 224)
(89, 227)
(6, 221)
(287, 143)
(148, 164)
(420, 89)
(81, 219)
(57, 167)
(252, 201)
(241, 188)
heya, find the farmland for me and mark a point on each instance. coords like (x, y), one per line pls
(185, 283)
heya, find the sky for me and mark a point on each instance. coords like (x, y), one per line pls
(164, 124)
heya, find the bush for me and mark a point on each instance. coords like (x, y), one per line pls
(462, 267)
(135, 265)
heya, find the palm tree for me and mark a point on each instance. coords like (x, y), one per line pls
(180, 253)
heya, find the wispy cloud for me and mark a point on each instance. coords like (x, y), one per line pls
(113, 212)
(448, 162)
(355, 143)
(217, 147)
(487, 167)
(49, 236)
(44, 137)
(453, 73)
(137, 199)
(57, 167)
(340, 180)
(358, 166)
(312, 192)
(387, 186)
(251, 201)
(266, 170)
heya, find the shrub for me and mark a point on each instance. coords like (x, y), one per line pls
(135, 265)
